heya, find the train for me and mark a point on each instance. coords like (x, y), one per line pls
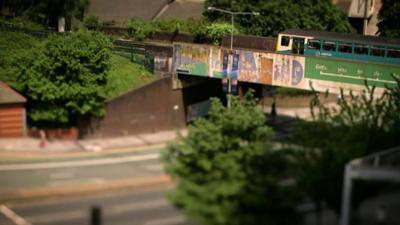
(339, 45)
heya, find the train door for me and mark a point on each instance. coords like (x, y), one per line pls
(298, 45)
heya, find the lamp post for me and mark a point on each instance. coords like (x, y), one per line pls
(210, 8)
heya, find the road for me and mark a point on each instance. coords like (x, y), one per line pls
(140, 207)
(134, 206)
(63, 172)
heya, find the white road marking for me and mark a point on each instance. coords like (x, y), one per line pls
(13, 216)
(92, 162)
(77, 214)
(166, 221)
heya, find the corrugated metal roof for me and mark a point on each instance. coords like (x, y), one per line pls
(346, 37)
(8, 95)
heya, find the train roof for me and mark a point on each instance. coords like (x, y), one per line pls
(347, 37)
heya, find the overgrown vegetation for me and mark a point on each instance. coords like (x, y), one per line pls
(362, 124)
(13, 44)
(389, 24)
(92, 23)
(276, 15)
(46, 12)
(65, 78)
(125, 76)
(202, 30)
(226, 170)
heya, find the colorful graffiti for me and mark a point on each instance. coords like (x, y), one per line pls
(191, 59)
(280, 69)
(288, 71)
(248, 67)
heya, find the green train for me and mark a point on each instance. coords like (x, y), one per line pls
(339, 45)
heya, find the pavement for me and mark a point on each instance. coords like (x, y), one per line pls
(28, 146)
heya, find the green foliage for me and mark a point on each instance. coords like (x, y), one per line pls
(276, 15)
(21, 22)
(125, 76)
(47, 12)
(226, 171)
(92, 23)
(362, 124)
(178, 25)
(140, 29)
(65, 78)
(214, 32)
(389, 16)
(13, 44)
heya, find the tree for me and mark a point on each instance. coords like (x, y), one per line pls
(389, 16)
(48, 12)
(92, 23)
(362, 124)
(226, 171)
(214, 32)
(276, 15)
(65, 79)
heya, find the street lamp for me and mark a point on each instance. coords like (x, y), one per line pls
(211, 8)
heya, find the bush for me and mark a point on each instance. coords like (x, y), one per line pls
(92, 23)
(65, 78)
(226, 171)
(213, 33)
(140, 29)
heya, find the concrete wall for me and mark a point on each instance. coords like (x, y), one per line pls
(154, 107)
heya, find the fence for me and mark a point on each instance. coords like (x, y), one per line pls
(136, 53)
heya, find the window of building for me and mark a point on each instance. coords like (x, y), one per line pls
(393, 53)
(314, 44)
(377, 51)
(285, 41)
(361, 49)
(345, 47)
(329, 46)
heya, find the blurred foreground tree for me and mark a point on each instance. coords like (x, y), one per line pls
(389, 16)
(226, 171)
(276, 15)
(65, 79)
(361, 124)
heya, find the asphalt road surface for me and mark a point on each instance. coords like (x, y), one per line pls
(140, 207)
(64, 172)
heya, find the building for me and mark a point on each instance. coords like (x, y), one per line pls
(12, 112)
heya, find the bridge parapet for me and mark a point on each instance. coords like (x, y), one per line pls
(271, 68)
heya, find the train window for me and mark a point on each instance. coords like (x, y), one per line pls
(329, 46)
(393, 53)
(285, 41)
(314, 44)
(345, 47)
(377, 51)
(361, 49)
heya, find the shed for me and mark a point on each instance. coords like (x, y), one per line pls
(12, 112)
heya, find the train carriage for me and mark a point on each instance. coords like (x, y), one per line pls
(339, 45)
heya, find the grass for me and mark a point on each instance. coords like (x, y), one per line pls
(125, 76)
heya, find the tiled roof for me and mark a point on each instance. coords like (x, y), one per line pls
(8, 95)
